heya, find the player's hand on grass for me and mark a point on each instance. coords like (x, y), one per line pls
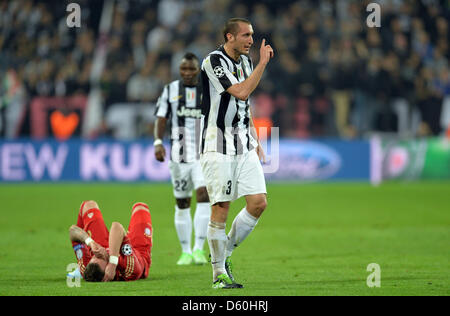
(160, 153)
(110, 272)
(265, 52)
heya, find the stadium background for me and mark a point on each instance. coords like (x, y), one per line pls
(354, 106)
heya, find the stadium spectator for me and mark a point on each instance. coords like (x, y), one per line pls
(319, 45)
(143, 86)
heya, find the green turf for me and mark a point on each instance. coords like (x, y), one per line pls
(314, 239)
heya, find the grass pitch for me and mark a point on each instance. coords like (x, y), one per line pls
(314, 239)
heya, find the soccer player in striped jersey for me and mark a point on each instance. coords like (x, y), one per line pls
(230, 151)
(180, 105)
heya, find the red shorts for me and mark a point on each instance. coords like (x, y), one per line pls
(140, 234)
(92, 223)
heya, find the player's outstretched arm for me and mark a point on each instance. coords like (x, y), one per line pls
(243, 90)
(116, 236)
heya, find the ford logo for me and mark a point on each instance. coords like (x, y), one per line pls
(307, 161)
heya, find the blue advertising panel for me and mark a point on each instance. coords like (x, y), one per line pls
(109, 160)
(313, 160)
(76, 160)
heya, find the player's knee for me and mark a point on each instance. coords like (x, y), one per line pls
(139, 206)
(88, 205)
(202, 195)
(183, 203)
(117, 225)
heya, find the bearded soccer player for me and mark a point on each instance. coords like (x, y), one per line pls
(113, 255)
(179, 105)
(230, 150)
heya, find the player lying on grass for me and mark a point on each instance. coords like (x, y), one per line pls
(113, 255)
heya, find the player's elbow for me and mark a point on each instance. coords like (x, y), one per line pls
(116, 226)
(72, 228)
(239, 91)
(243, 96)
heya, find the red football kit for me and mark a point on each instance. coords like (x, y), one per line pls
(135, 250)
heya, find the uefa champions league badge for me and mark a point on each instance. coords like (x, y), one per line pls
(219, 72)
(127, 250)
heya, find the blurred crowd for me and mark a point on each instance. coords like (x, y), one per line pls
(332, 75)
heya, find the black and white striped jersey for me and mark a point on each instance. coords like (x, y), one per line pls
(180, 104)
(225, 119)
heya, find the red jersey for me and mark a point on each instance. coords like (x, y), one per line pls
(132, 265)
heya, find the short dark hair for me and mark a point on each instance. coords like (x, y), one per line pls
(190, 56)
(232, 26)
(93, 273)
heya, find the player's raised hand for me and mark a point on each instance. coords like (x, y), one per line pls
(265, 52)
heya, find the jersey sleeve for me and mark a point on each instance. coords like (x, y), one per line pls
(218, 73)
(130, 266)
(163, 105)
(83, 254)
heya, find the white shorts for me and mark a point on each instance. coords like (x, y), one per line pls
(185, 178)
(230, 177)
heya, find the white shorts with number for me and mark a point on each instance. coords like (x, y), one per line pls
(230, 177)
(185, 178)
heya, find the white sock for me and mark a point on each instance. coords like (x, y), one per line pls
(183, 226)
(217, 241)
(201, 220)
(242, 226)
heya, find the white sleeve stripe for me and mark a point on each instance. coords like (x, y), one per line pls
(162, 105)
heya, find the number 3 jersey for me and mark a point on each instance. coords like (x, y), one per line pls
(180, 104)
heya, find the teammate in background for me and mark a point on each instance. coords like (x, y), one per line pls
(180, 103)
(112, 255)
(230, 151)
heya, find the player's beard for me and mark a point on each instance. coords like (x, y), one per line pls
(245, 51)
(241, 51)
